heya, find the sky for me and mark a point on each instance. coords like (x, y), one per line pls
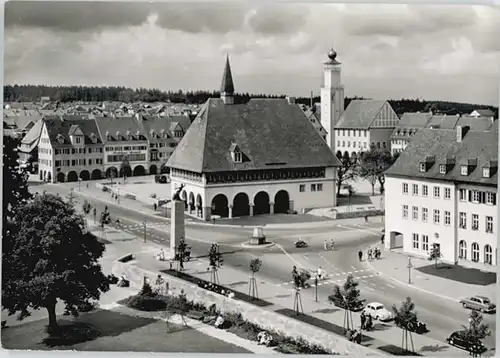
(431, 52)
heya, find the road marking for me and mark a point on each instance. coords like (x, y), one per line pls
(328, 262)
(362, 230)
(290, 256)
(353, 267)
(369, 289)
(391, 286)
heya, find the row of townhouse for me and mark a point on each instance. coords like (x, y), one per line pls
(70, 148)
(442, 191)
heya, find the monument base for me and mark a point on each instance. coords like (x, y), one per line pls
(258, 240)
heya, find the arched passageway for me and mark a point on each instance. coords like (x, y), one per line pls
(339, 154)
(346, 154)
(241, 205)
(84, 175)
(191, 202)
(220, 206)
(49, 176)
(72, 176)
(111, 172)
(153, 169)
(126, 170)
(281, 202)
(261, 203)
(41, 174)
(199, 206)
(139, 171)
(96, 174)
(60, 177)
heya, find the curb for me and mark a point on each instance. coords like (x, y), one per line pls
(263, 246)
(401, 283)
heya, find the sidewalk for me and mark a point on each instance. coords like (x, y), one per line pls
(93, 192)
(393, 265)
(325, 315)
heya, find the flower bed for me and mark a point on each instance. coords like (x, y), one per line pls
(147, 300)
(207, 285)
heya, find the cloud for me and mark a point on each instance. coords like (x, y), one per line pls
(214, 17)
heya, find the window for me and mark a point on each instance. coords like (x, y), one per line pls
(490, 198)
(475, 222)
(425, 243)
(462, 223)
(436, 216)
(462, 195)
(422, 167)
(405, 211)
(476, 196)
(405, 188)
(364, 144)
(425, 214)
(58, 163)
(447, 218)
(447, 193)
(437, 192)
(463, 170)
(486, 172)
(489, 224)
(313, 187)
(462, 250)
(77, 140)
(238, 157)
(415, 213)
(73, 162)
(343, 143)
(319, 187)
(415, 189)
(442, 169)
(425, 190)
(415, 241)
(475, 252)
(338, 143)
(348, 144)
(302, 188)
(90, 161)
(488, 255)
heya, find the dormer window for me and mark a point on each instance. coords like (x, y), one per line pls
(486, 172)
(442, 168)
(464, 170)
(423, 167)
(236, 153)
(93, 138)
(238, 157)
(60, 139)
(117, 135)
(108, 136)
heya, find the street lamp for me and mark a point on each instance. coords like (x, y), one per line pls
(409, 269)
(79, 183)
(316, 287)
(144, 226)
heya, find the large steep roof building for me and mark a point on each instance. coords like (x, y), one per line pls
(259, 157)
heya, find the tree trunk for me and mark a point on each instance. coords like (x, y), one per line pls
(339, 184)
(53, 327)
(373, 189)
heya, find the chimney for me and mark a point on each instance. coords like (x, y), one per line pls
(312, 99)
(291, 100)
(461, 132)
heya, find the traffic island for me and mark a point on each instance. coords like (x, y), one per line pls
(258, 239)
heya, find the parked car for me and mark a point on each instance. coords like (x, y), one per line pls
(459, 340)
(378, 311)
(339, 302)
(479, 303)
(419, 328)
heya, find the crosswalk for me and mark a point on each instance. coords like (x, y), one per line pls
(334, 278)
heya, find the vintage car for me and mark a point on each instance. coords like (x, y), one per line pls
(339, 302)
(378, 311)
(479, 303)
(459, 340)
(418, 328)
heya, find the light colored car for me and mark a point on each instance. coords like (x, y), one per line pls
(479, 303)
(377, 311)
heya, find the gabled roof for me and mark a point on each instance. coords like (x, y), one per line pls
(75, 130)
(157, 124)
(443, 122)
(271, 132)
(31, 138)
(360, 113)
(475, 123)
(484, 112)
(442, 143)
(414, 120)
(62, 125)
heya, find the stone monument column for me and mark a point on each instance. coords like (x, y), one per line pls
(177, 228)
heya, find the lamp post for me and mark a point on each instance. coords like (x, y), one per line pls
(144, 226)
(409, 269)
(316, 287)
(79, 183)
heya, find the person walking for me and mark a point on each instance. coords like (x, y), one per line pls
(366, 218)
(360, 255)
(332, 245)
(363, 320)
(155, 206)
(369, 253)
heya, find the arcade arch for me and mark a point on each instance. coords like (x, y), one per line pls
(261, 203)
(220, 206)
(241, 205)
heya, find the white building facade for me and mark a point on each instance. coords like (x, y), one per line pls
(448, 202)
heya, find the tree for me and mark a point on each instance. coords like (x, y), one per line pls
(255, 265)
(52, 258)
(350, 296)
(386, 160)
(215, 262)
(435, 254)
(373, 164)
(71, 197)
(181, 252)
(406, 318)
(124, 166)
(86, 207)
(476, 331)
(347, 170)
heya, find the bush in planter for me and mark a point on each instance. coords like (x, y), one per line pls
(146, 303)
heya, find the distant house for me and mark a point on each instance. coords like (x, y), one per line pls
(406, 128)
(315, 118)
(44, 100)
(483, 113)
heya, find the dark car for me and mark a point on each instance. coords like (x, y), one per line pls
(419, 328)
(339, 302)
(458, 340)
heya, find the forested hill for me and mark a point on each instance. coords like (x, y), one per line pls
(33, 93)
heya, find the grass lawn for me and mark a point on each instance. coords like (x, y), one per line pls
(104, 330)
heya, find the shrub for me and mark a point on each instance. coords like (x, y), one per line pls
(152, 195)
(146, 303)
(146, 290)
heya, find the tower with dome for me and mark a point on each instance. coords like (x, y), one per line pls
(332, 96)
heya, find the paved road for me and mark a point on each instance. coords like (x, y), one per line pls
(441, 316)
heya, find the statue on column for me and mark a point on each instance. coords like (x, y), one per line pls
(177, 194)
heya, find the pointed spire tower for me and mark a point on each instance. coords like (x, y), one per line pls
(227, 86)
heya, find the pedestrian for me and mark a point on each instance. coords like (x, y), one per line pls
(382, 239)
(360, 255)
(369, 254)
(363, 320)
(366, 218)
(155, 206)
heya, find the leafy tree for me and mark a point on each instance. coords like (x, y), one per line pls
(71, 197)
(476, 331)
(86, 207)
(182, 252)
(435, 254)
(180, 305)
(406, 318)
(255, 265)
(52, 258)
(347, 170)
(215, 261)
(125, 168)
(373, 165)
(350, 296)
